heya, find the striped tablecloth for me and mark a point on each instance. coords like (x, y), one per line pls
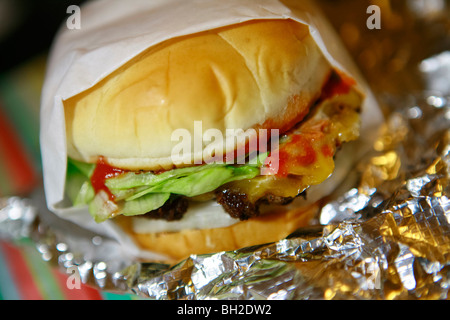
(24, 275)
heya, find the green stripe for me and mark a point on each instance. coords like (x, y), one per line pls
(22, 117)
(42, 274)
(115, 296)
(8, 289)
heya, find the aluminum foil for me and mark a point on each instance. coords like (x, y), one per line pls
(384, 236)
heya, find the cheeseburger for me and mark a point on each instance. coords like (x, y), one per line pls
(276, 111)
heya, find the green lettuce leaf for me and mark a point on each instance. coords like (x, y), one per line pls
(78, 185)
(197, 182)
(101, 208)
(137, 193)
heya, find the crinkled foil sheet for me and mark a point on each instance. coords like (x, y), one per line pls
(385, 235)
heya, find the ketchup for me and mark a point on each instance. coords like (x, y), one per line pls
(295, 153)
(102, 172)
(336, 85)
(327, 150)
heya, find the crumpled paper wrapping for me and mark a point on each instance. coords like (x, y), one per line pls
(386, 237)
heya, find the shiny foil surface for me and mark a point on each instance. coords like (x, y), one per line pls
(385, 234)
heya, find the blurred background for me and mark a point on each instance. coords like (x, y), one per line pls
(27, 29)
(390, 58)
(411, 31)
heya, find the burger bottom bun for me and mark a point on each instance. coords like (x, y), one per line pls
(264, 229)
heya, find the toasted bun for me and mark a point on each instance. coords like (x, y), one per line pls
(258, 74)
(271, 227)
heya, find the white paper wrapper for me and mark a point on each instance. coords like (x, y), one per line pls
(114, 31)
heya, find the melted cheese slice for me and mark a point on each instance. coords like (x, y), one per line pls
(306, 153)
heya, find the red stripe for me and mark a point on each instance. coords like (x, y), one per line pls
(83, 293)
(18, 164)
(20, 273)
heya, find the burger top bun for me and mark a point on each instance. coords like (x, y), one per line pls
(257, 74)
